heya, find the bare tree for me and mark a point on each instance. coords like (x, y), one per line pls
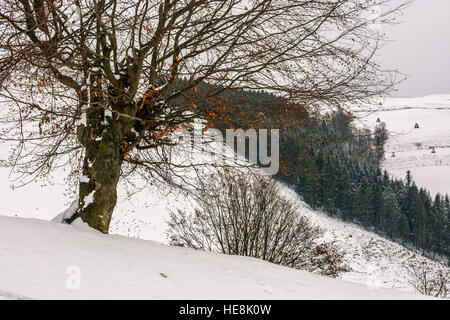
(429, 281)
(103, 84)
(247, 215)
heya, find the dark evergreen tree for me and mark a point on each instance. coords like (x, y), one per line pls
(391, 225)
(418, 217)
(378, 211)
(403, 229)
(381, 136)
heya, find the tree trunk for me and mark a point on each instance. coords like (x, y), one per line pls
(97, 193)
(101, 172)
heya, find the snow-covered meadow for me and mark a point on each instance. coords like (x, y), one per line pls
(412, 146)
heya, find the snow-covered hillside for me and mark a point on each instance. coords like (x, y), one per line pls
(376, 262)
(412, 146)
(46, 260)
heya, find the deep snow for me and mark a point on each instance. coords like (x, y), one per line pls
(40, 260)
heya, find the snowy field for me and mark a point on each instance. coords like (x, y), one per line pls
(46, 260)
(413, 147)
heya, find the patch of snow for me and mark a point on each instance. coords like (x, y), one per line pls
(108, 113)
(83, 119)
(89, 199)
(66, 214)
(81, 225)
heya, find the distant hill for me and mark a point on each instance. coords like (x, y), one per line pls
(412, 146)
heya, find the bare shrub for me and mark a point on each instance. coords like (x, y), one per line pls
(246, 215)
(429, 281)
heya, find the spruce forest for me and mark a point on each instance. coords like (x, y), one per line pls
(337, 167)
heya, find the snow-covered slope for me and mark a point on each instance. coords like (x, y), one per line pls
(46, 260)
(411, 146)
(376, 262)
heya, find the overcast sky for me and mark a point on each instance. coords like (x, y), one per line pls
(420, 48)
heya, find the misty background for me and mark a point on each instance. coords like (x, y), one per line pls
(420, 47)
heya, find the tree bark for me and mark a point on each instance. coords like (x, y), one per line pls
(101, 168)
(98, 196)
